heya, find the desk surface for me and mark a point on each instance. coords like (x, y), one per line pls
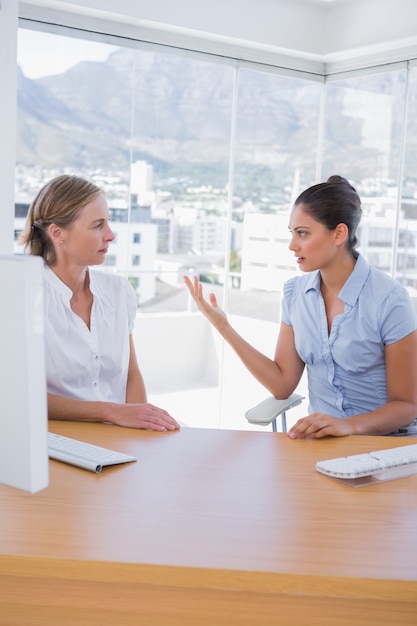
(217, 509)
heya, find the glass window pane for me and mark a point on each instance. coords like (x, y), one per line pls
(73, 117)
(180, 169)
(153, 129)
(406, 271)
(363, 130)
(276, 156)
(200, 160)
(179, 173)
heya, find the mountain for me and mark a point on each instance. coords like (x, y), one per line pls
(175, 112)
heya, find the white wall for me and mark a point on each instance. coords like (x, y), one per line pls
(8, 81)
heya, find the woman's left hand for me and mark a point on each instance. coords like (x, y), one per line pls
(318, 425)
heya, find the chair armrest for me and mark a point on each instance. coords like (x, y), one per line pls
(269, 409)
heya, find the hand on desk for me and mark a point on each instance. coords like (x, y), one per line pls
(318, 425)
(144, 415)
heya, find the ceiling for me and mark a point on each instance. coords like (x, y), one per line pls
(322, 36)
(325, 3)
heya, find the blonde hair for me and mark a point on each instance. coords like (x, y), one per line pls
(58, 202)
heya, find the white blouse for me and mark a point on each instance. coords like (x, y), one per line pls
(89, 364)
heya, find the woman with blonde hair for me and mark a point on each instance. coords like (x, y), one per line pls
(91, 365)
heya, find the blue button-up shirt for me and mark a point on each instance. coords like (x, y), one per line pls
(346, 368)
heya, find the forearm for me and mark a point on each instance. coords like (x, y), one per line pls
(280, 375)
(263, 368)
(134, 415)
(60, 408)
(385, 419)
(135, 386)
(135, 390)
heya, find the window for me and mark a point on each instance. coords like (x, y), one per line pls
(204, 182)
(362, 141)
(406, 269)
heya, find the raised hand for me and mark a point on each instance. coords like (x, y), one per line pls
(209, 308)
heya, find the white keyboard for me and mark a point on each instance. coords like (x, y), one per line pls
(82, 454)
(403, 459)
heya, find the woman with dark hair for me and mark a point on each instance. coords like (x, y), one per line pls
(352, 326)
(91, 366)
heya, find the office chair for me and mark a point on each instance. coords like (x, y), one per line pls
(267, 411)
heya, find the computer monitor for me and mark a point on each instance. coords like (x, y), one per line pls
(23, 396)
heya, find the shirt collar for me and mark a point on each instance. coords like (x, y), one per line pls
(57, 284)
(61, 287)
(352, 287)
(312, 281)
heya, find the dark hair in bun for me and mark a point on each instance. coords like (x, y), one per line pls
(334, 202)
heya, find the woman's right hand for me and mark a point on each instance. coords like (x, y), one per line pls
(210, 308)
(143, 415)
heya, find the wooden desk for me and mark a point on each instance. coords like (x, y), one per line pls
(209, 528)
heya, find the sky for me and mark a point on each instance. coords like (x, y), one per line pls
(42, 54)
